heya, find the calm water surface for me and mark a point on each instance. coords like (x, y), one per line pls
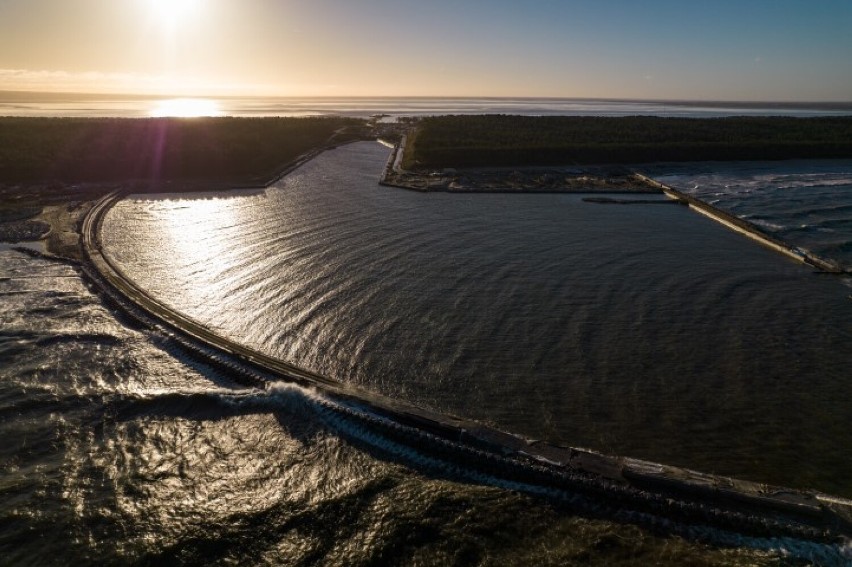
(646, 331)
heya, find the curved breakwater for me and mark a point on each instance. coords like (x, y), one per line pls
(478, 452)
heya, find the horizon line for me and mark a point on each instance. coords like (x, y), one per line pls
(148, 95)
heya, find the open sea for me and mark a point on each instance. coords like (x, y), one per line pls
(642, 330)
(131, 106)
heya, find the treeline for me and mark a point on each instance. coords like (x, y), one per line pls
(498, 140)
(113, 149)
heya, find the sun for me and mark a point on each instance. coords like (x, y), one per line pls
(172, 12)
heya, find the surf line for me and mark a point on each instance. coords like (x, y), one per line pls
(680, 501)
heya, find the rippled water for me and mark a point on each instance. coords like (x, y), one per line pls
(118, 450)
(646, 331)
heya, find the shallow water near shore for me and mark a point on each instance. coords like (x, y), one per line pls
(643, 331)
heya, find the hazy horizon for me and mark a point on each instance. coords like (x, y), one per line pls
(758, 51)
(166, 95)
(49, 104)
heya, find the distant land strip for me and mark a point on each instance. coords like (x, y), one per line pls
(515, 141)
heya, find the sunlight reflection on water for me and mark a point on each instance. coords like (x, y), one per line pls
(185, 108)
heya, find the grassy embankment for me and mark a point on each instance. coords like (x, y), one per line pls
(96, 150)
(492, 141)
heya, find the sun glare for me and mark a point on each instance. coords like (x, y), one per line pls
(185, 108)
(172, 11)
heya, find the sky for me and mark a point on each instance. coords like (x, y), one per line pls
(743, 50)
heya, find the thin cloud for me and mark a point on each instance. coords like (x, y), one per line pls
(95, 81)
